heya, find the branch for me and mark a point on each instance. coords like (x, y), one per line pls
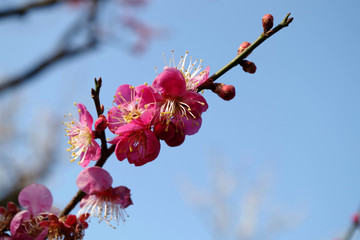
(209, 83)
(21, 11)
(51, 60)
(353, 226)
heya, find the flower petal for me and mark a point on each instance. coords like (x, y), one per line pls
(93, 180)
(124, 94)
(146, 150)
(85, 117)
(170, 83)
(122, 194)
(36, 198)
(92, 154)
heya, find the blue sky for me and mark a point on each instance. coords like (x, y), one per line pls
(296, 121)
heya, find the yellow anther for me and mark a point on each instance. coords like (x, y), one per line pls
(75, 103)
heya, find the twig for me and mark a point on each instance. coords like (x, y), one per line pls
(65, 51)
(209, 83)
(51, 60)
(352, 228)
(21, 11)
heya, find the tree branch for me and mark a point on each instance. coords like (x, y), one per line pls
(21, 11)
(51, 60)
(209, 83)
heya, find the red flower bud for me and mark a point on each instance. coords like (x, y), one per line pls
(101, 123)
(267, 22)
(164, 131)
(243, 46)
(355, 219)
(226, 92)
(248, 66)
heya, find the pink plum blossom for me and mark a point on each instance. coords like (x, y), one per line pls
(37, 200)
(102, 200)
(83, 144)
(193, 74)
(179, 105)
(137, 143)
(131, 103)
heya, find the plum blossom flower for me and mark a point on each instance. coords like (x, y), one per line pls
(131, 103)
(102, 200)
(193, 74)
(83, 144)
(137, 143)
(66, 227)
(25, 224)
(179, 104)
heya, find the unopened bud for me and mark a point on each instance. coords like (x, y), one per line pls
(226, 92)
(355, 219)
(267, 22)
(101, 123)
(243, 46)
(248, 66)
(102, 108)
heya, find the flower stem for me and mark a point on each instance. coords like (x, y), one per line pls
(209, 83)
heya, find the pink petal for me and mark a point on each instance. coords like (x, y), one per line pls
(85, 117)
(114, 116)
(200, 79)
(93, 180)
(146, 150)
(191, 125)
(133, 126)
(122, 195)
(91, 154)
(170, 83)
(121, 149)
(195, 101)
(36, 198)
(144, 95)
(16, 229)
(124, 93)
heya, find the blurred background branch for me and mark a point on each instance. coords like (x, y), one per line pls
(82, 35)
(88, 30)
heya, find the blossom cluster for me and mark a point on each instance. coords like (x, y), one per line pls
(40, 220)
(169, 109)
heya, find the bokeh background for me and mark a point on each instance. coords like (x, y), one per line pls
(279, 161)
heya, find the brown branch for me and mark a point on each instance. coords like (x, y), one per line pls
(236, 61)
(51, 60)
(21, 11)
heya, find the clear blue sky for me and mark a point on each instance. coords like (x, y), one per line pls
(297, 118)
